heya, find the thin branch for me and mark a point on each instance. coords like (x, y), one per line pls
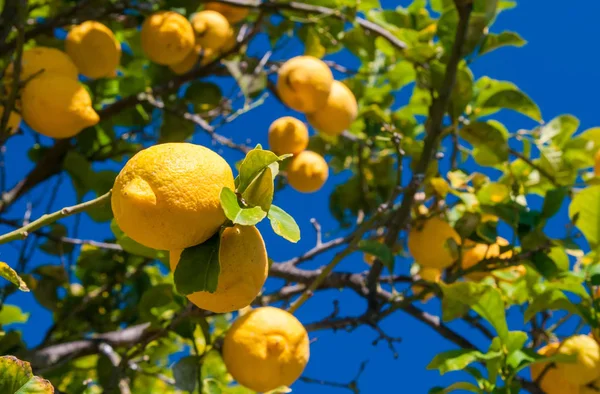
(539, 169)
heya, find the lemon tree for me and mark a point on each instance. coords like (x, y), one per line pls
(170, 155)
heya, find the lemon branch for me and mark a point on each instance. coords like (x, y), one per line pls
(23, 232)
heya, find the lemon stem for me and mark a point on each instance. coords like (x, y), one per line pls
(23, 232)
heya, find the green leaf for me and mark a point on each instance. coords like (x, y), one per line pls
(454, 360)
(250, 84)
(16, 377)
(10, 314)
(131, 246)
(185, 372)
(559, 130)
(516, 100)
(255, 162)
(260, 192)
(10, 275)
(489, 143)
(553, 201)
(283, 224)
(485, 300)
(175, 128)
(515, 341)
(312, 42)
(549, 300)
(158, 304)
(379, 250)
(585, 212)
(462, 386)
(203, 95)
(238, 214)
(506, 38)
(198, 268)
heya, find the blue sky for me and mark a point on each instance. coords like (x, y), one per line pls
(558, 68)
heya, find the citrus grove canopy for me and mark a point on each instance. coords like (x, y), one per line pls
(178, 292)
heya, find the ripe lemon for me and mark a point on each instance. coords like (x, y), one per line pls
(167, 37)
(592, 388)
(304, 83)
(232, 13)
(213, 31)
(597, 164)
(57, 106)
(167, 196)
(94, 49)
(338, 113)
(288, 135)
(307, 172)
(192, 59)
(44, 60)
(14, 120)
(430, 275)
(474, 253)
(553, 382)
(244, 269)
(587, 367)
(428, 243)
(265, 349)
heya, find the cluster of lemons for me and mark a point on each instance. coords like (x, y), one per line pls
(306, 84)
(167, 197)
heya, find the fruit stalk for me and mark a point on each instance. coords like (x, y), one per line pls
(23, 232)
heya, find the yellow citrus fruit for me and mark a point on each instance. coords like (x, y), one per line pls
(14, 120)
(338, 113)
(597, 163)
(591, 388)
(57, 106)
(213, 31)
(192, 59)
(587, 366)
(428, 243)
(94, 49)
(265, 349)
(430, 275)
(244, 270)
(288, 135)
(167, 196)
(167, 37)
(304, 83)
(553, 382)
(307, 172)
(232, 13)
(473, 253)
(44, 60)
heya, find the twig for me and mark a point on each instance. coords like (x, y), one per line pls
(24, 231)
(539, 169)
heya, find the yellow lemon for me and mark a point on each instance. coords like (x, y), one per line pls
(430, 275)
(244, 270)
(167, 196)
(44, 60)
(192, 59)
(474, 253)
(288, 135)
(428, 243)
(587, 366)
(304, 83)
(14, 120)
(597, 164)
(213, 31)
(232, 13)
(265, 349)
(57, 106)
(591, 388)
(94, 49)
(307, 172)
(167, 37)
(338, 113)
(552, 382)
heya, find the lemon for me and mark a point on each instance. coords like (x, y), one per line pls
(428, 243)
(57, 106)
(592, 388)
(597, 164)
(474, 253)
(14, 120)
(167, 196)
(167, 37)
(44, 60)
(94, 49)
(307, 172)
(213, 31)
(587, 366)
(338, 113)
(190, 61)
(232, 13)
(265, 349)
(430, 275)
(552, 382)
(288, 135)
(304, 83)
(244, 270)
